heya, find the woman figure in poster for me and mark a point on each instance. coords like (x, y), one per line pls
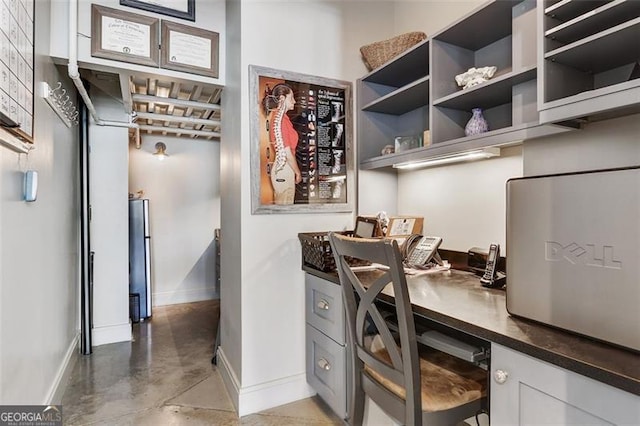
(285, 173)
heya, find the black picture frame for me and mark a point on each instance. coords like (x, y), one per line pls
(189, 15)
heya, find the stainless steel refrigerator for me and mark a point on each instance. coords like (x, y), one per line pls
(140, 255)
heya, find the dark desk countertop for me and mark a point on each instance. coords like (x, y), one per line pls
(456, 299)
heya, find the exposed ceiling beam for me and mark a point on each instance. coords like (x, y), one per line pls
(178, 119)
(171, 101)
(125, 89)
(180, 130)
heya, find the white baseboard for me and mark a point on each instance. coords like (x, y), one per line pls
(184, 296)
(59, 385)
(253, 399)
(111, 334)
(229, 378)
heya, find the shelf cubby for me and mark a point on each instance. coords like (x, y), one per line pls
(590, 61)
(566, 10)
(402, 100)
(594, 21)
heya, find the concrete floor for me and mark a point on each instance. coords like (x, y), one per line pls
(165, 377)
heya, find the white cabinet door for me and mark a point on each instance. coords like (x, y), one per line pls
(527, 391)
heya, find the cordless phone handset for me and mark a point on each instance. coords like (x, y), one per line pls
(490, 270)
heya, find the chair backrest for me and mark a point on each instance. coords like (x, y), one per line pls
(360, 292)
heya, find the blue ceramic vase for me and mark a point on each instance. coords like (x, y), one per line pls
(477, 124)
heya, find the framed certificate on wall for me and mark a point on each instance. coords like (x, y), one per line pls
(189, 49)
(124, 36)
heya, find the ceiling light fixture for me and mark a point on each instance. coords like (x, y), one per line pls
(477, 154)
(161, 151)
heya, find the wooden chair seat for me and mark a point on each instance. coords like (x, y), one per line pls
(446, 381)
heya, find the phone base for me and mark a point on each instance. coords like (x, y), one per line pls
(499, 281)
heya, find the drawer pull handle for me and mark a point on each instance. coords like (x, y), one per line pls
(324, 364)
(500, 376)
(323, 305)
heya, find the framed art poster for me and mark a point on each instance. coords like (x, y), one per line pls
(16, 68)
(301, 145)
(189, 49)
(185, 9)
(124, 36)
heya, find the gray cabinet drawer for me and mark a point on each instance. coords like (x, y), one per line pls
(326, 362)
(324, 307)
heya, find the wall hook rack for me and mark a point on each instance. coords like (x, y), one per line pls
(60, 101)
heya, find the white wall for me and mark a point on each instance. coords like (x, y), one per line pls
(108, 171)
(318, 38)
(430, 16)
(39, 250)
(599, 145)
(465, 203)
(230, 209)
(184, 209)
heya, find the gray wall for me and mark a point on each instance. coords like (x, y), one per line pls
(39, 249)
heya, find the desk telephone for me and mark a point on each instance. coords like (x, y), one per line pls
(419, 250)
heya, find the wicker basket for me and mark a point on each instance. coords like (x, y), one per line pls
(317, 253)
(380, 52)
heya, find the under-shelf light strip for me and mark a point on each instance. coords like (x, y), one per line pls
(477, 154)
(60, 102)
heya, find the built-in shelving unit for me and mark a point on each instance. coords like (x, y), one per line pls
(589, 59)
(393, 100)
(417, 91)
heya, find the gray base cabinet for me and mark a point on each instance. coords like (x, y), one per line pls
(527, 391)
(326, 350)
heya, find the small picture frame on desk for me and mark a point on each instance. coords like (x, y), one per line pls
(184, 9)
(189, 49)
(124, 36)
(367, 227)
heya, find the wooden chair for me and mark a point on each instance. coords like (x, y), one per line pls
(414, 387)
